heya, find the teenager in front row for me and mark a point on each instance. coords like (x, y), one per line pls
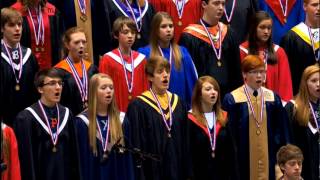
(100, 131)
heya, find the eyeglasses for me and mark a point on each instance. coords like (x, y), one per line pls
(53, 83)
(256, 72)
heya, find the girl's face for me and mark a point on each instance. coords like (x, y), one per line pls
(313, 84)
(264, 30)
(209, 94)
(105, 91)
(166, 30)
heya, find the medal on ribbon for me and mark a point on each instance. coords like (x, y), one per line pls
(126, 73)
(39, 32)
(136, 19)
(54, 136)
(217, 51)
(167, 124)
(212, 136)
(104, 141)
(284, 9)
(83, 6)
(16, 77)
(258, 121)
(180, 7)
(81, 84)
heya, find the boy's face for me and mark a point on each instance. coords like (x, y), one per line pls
(213, 8)
(312, 9)
(160, 80)
(255, 78)
(51, 90)
(12, 32)
(126, 37)
(292, 169)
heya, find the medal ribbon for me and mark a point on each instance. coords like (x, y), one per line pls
(284, 9)
(139, 26)
(129, 84)
(162, 54)
(38, 34)
(160, 109)
(11, 61)
(54, 138)
(314, 117)
(82, 85)
(229, 18)
(316, 56)
(258, 121)
(105, 143)
(218, 54)
(82, 5)
(180, 10)
(212, 136)
(266, 56)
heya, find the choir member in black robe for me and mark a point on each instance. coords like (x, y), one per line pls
(257, 121)
(42, 30)
(237, 14)
(213, 47)
(18, 67)
(211, 147)
(143, 13)
(46, 134)
(75, 71)
(100, 131)
(302, 42)
(156, 126)
(304, 116)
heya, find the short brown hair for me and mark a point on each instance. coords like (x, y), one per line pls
(251, 62)
(41, 75)
(287, 153)
(10, 15)
(154, 62)
(120, 22)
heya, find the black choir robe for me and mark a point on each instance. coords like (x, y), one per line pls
(146, 131)
(118, 166)
(222, 166)
(37, 159)
(240, 20)
(300, 54)
(114, 12)
(12, 101)
(277, 126)
(71, 96)
(308, 142)
(228, 75)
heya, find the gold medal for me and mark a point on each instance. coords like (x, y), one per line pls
(129, 97)
(169, 135)
(42, 49)
(179, 23)
(138, 36)
(37, 49)
(85, 105)
(285, 20)
(258, 132)
(17, 87)
(213, 154)
(219, 63)
(105, 155)
(54, 149)
(83, 17)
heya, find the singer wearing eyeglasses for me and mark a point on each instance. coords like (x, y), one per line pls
(257, 121)
(45, 133)
(100, 132)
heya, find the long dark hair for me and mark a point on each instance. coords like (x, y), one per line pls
(253, 39)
